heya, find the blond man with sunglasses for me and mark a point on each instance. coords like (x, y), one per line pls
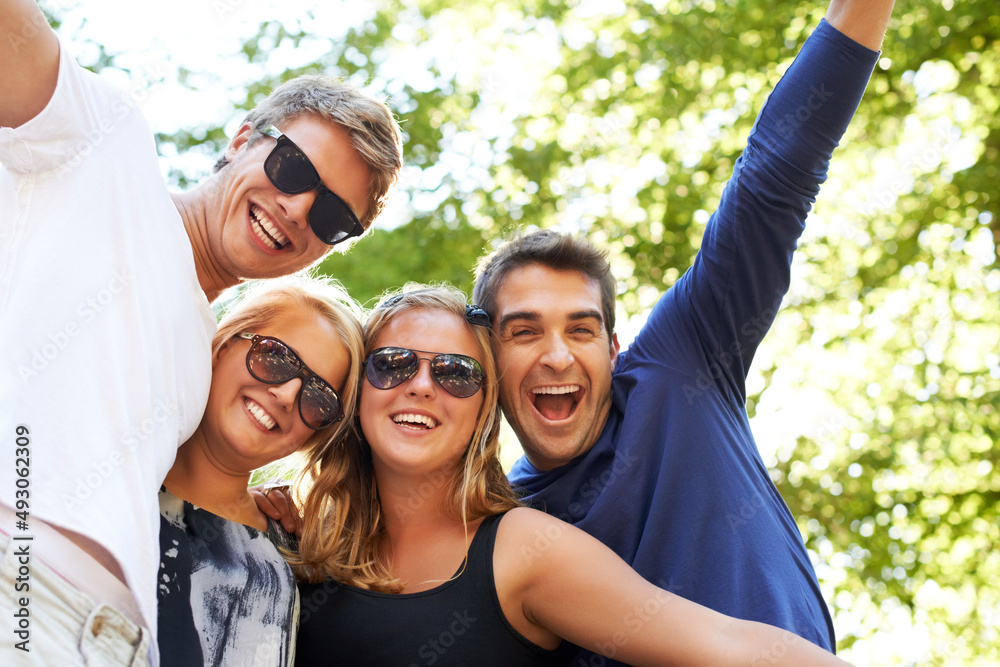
(108, 368)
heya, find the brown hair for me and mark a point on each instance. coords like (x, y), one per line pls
(555, 250)
(343, 525)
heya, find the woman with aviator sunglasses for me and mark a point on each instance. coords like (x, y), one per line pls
(284, 362)
(415, 549)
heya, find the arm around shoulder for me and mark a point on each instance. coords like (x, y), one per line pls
(565, 582)
(29, 61)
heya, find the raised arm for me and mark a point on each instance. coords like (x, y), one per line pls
(864, 21)
(728, 300)
(554, 578)
(29, 61)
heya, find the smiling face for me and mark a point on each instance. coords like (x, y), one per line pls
(417, 427)
(260, 231)
(555, 359)
(247, 423)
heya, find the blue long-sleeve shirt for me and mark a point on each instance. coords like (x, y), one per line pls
(675, 484)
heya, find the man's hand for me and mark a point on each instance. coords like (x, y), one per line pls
(275, 500)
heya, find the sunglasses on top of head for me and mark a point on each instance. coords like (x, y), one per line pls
(271, 361)
(289, 169)
(457, 374)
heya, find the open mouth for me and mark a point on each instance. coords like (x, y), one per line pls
(420, 422)
(266, 230)
(260, 414)
(557, 403)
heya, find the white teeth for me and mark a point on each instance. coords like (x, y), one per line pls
(260, 414)
(266, 230)
(566, 389)
(414, 419)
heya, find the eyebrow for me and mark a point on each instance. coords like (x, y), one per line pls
(534, 316)
(275, 133)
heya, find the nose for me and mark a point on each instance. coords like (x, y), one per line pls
(557, 354)
(422, 383)
(297, 207)
(286, 393)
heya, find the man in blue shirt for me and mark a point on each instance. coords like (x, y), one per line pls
(650, 450)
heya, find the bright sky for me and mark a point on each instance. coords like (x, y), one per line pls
(205, 37)
(202, 37)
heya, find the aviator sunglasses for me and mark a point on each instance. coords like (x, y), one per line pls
(273, 362)
(289, 170)
(457, 374)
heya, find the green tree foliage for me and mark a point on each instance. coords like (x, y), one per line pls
(634, 121)
(875, 396)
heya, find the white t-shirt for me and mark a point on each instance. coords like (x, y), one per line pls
(105, 332)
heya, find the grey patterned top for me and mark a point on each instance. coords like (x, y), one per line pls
(225, 595)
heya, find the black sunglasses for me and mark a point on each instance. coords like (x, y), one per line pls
(457, 374)
(289, 169)
(273, 362)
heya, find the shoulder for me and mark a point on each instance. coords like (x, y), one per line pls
(86, 115)
(172, 509)
(531, 537)
(522, 519)
(278, 536)
(81, 99)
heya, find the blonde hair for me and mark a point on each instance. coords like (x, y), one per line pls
(263, 302)
(343, 525)
(369, 123)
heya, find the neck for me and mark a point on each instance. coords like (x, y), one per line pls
(415, 504)
(426, 543)
(202, 481)
(194, 207)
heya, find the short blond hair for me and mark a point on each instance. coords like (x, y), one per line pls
(370, 124)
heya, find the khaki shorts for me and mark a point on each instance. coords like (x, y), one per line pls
(44, 620)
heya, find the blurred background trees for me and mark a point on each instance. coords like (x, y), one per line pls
(875, 396)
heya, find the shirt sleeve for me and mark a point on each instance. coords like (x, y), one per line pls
(712, 320)
(83, 111)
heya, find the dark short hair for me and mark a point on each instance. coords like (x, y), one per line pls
(550, 248)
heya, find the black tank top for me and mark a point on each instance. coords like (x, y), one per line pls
(457, 623)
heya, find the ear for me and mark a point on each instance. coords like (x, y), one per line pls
(239, 141)
(217, 357)
(615, 349)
